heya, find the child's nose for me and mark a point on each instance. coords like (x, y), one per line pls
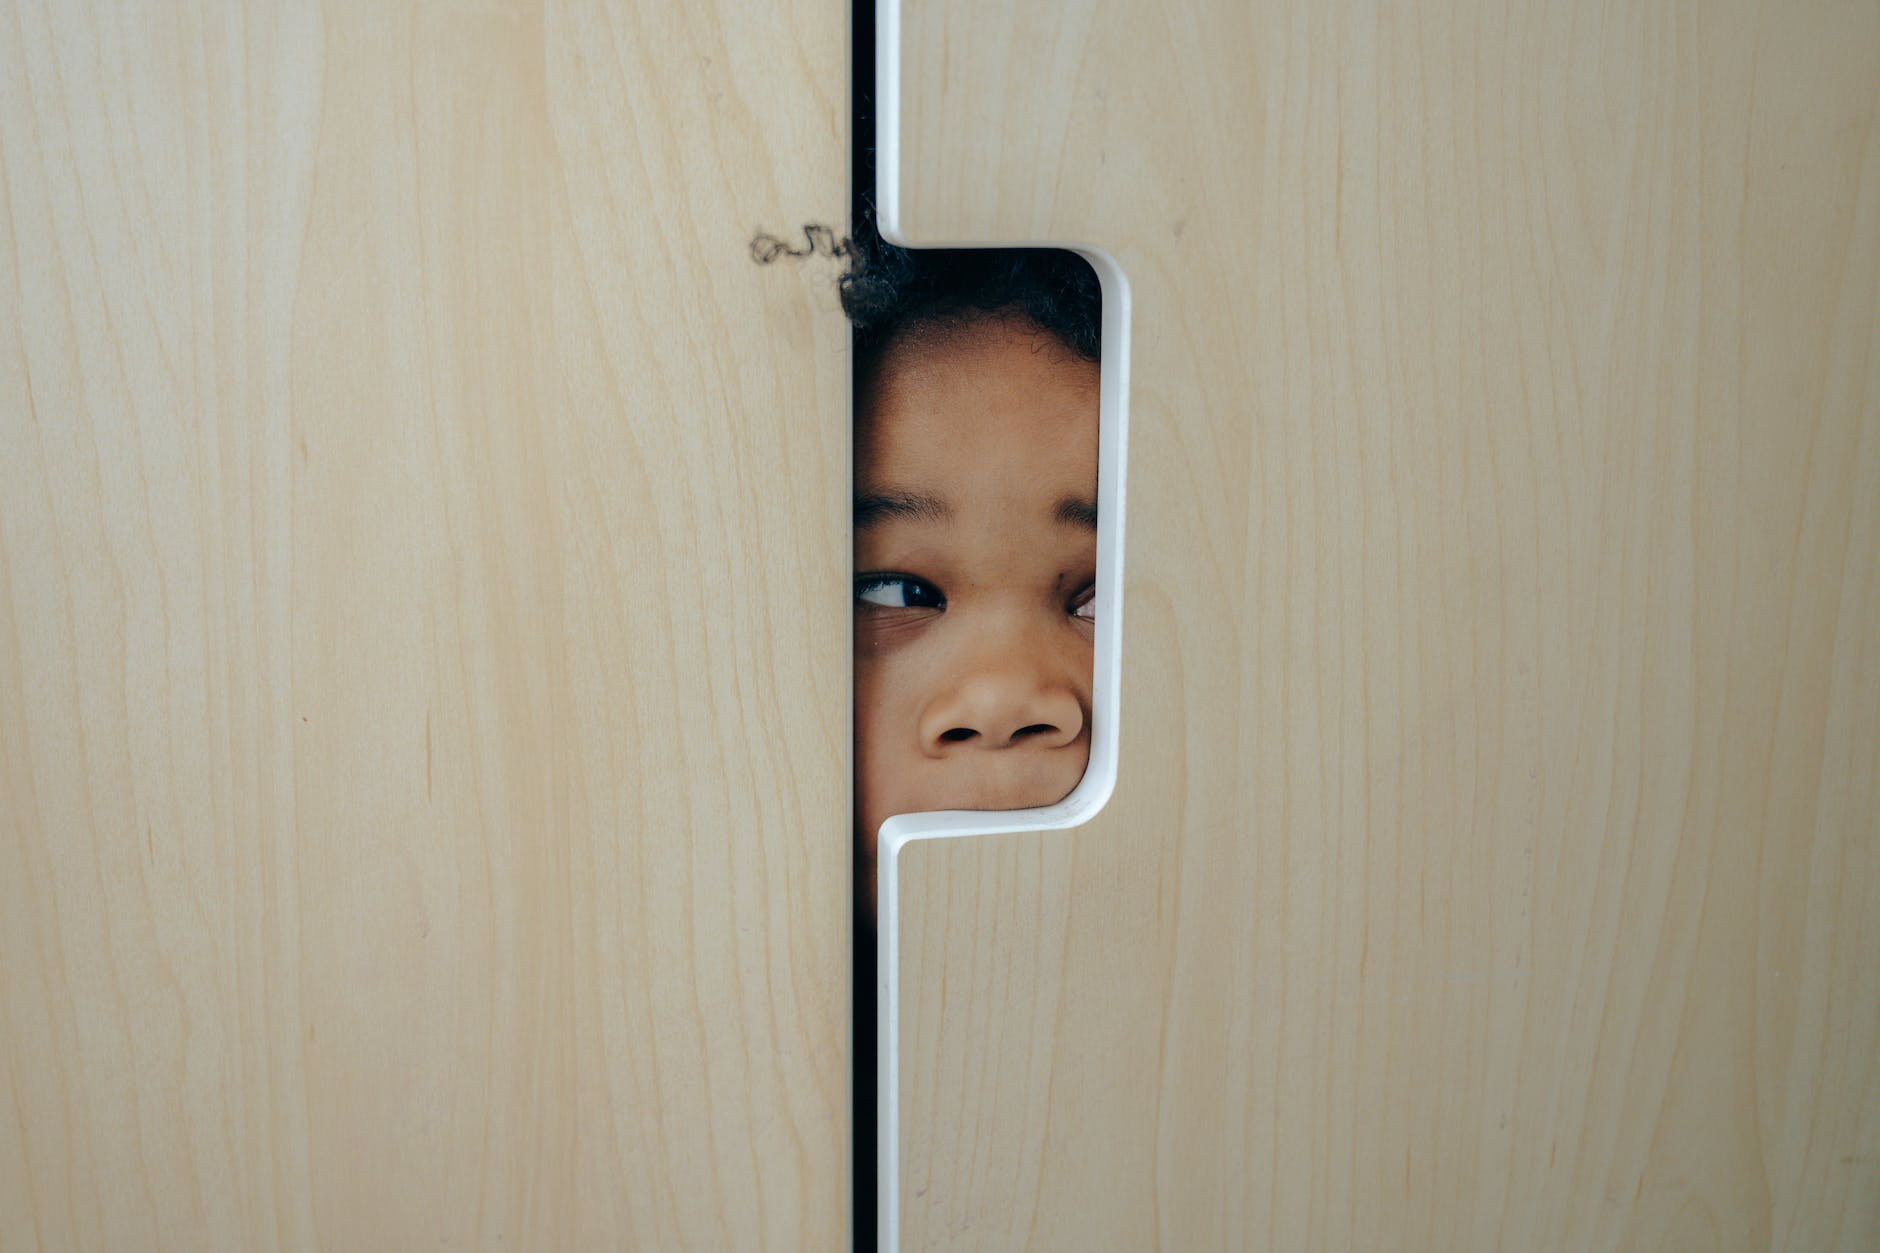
(1010, 706)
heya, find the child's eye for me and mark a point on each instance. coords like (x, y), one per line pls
(1085, 604)
(898, 591)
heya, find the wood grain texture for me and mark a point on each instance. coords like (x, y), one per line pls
(423, 628)
(1492, 863)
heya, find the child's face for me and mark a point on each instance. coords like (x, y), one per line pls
(975, 554)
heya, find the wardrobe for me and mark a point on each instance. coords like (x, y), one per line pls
(424, 632)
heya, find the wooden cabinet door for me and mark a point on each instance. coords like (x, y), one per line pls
(1492, 856)
(423, 628)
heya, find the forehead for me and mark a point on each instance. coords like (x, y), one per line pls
(988, 404)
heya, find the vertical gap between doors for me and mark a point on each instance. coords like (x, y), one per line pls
(863, 1045)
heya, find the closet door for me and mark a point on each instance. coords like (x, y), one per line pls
(1492, 858)
(423, 632)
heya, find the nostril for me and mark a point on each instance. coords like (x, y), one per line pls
(958, 735)
(1036, 728)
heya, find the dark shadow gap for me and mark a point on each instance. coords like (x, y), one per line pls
(862, 1038)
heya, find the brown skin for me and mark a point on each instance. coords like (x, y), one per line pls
(975, 557)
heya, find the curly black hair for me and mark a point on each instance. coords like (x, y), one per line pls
(889, 291)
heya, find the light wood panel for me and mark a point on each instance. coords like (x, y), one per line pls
(423, 629)
(1492, 863)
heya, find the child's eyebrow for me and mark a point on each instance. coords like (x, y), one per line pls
(873, 507)
(1078, 512)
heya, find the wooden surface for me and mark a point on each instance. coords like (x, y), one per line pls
(423, 628)
(1492, 863)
